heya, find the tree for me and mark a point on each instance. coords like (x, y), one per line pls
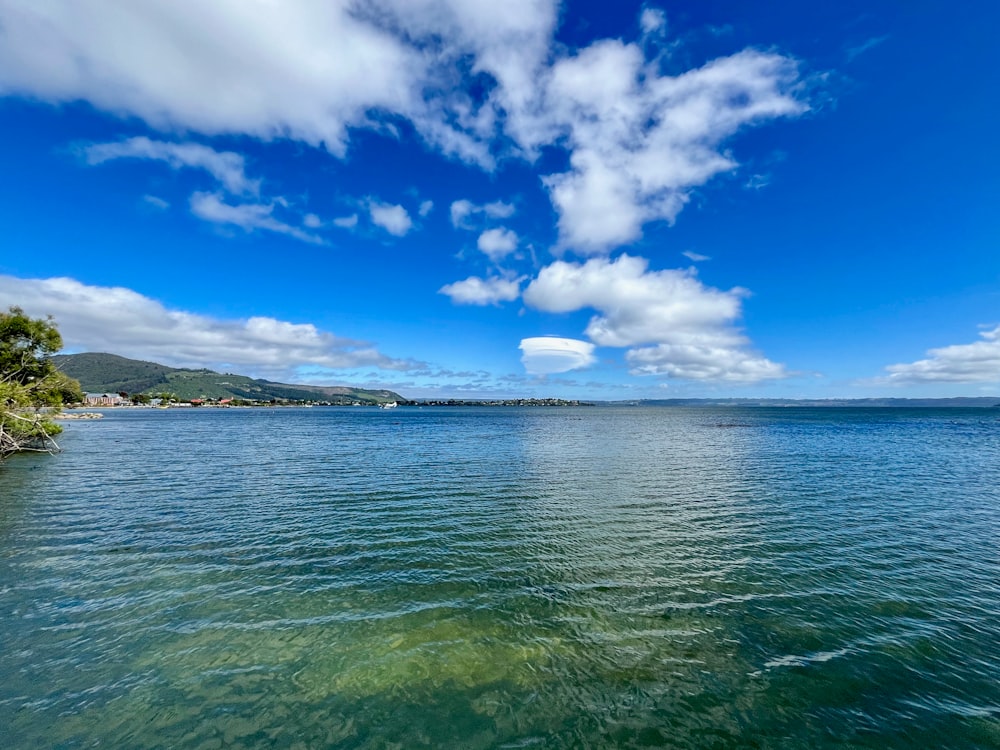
(29, 381)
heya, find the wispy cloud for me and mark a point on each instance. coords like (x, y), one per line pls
(346, 222)
(652, 21)
(247, 216)
(225, 166)
(868, 44)
(467, 215)
(695, 257)
(156, 202)
(122, 321)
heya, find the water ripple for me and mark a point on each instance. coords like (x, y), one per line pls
(505, 578)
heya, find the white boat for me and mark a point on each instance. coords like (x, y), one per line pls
(388, 405)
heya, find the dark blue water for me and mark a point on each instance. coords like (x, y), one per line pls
(504, 578)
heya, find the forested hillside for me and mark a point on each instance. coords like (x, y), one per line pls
(99, 373)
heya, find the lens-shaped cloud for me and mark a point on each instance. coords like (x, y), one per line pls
(546, 355)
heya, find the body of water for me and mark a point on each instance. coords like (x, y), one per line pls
(504, 578)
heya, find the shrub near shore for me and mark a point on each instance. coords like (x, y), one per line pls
(31, 388)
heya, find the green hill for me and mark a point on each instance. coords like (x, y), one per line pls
(109, 373)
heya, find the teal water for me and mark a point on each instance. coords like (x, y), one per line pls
(504, 578)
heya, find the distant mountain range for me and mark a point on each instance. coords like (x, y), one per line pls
(109, 373)
(956, 401)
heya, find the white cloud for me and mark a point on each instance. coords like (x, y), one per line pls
(247, 216)
(425, 208)
(219, 67)
(156, 202)
(695, 257)
(498, 210)
(758, 182)
(545, 355)
(225, 166)
(640, 141)
(460, 210)
(868, 44)
(392, 218)
(467, 215)
(509, 42)
(720, 357)
(346, 222)
(477, 291)
(124, 322)
(312, 221)
(497, 243)
(978, 362)
(675, 325)
(652, 20)
(216, 67)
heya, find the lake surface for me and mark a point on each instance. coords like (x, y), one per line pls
(504, 578)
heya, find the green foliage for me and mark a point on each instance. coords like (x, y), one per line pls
(109, 373)
(30, 381)
(26, 347)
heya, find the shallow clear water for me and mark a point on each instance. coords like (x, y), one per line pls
(504, 578)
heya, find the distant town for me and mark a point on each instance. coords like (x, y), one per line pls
(106, 400)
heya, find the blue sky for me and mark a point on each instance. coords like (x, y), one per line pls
(456, 198)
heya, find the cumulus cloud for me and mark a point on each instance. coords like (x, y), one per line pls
(213, 67)
(720, 357)
(247, 216)
(545, 355)
(122, 321)
(467, 215)
(673, 324)
(460, 211)
(640, 141)
(476, 80)
(219, 67)
(477, 291)
(507, 42)
(225, 166)
(392, 218)
(978, 362)
(425, 208)
(497, 243)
